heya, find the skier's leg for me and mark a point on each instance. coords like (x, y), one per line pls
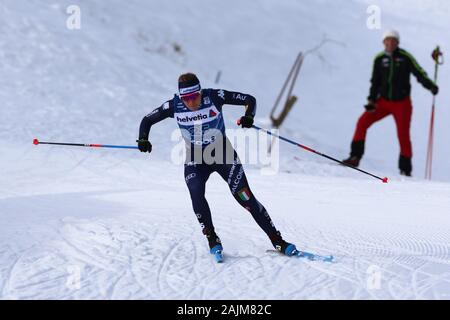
(237, 181)
(402, 112)
(196, 176)
(364, 122)
(234, 175)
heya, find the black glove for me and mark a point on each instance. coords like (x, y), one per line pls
(144, 145)
(246, 121)
(435, 90)
(370, 106)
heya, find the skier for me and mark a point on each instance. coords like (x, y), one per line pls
(198, 113)
(390, 94)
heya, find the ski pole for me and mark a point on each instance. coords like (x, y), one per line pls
(384, 180)
(436, 55)
(90, 145)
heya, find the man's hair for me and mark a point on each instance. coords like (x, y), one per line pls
(187, 77)
(188, 83)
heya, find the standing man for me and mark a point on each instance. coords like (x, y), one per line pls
(390, 94)
(198, 113)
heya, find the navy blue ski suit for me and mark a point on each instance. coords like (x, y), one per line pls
(204, 127)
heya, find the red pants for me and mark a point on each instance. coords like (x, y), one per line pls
(401, 110)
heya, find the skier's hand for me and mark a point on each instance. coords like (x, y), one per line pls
(436, 54)
(370, 106)
(435, 90)
(144, 145)
(246, 121)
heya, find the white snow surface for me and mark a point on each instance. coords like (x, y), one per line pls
(80, 223)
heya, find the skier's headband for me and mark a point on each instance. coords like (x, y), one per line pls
(189, 87)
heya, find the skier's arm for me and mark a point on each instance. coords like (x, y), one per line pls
(221, 97)
(375, 82)
(419, 73)
(163, 112)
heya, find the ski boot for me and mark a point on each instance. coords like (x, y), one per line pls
(215, 246)
(352, 161)
(282, 246)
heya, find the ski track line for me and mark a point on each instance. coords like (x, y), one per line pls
(200, 280)
(160, 274)
(415, 283)
(137, 254)
(337, 275)
(120, 267)
(194, 271)
(29, 283)
(129, 262)
(83, 255)
(384, 265)
(220, 270)
(110, 292)
(9, 274)
(428, 283)
(361, 280)
(178, 264)
(422, 252)
(138, 278)
(411, 259)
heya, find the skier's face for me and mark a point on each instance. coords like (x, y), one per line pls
(193, 101)
(390, 44)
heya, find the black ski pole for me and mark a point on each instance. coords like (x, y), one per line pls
(384, 180)
(90, 145)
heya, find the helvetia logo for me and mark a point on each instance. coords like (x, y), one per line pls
(198, 116)
(194, 118)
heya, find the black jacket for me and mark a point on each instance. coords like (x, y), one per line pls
(391, 80)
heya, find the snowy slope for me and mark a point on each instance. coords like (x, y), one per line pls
(121, 221)
(97, 217)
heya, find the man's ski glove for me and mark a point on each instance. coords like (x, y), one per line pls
(435, 90)
(370, 106)
(144, 145)
(246, 121)
(436, 54)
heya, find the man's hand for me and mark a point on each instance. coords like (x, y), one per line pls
(370, 106)
(246, 121)
(144, 145)
(435, 90)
